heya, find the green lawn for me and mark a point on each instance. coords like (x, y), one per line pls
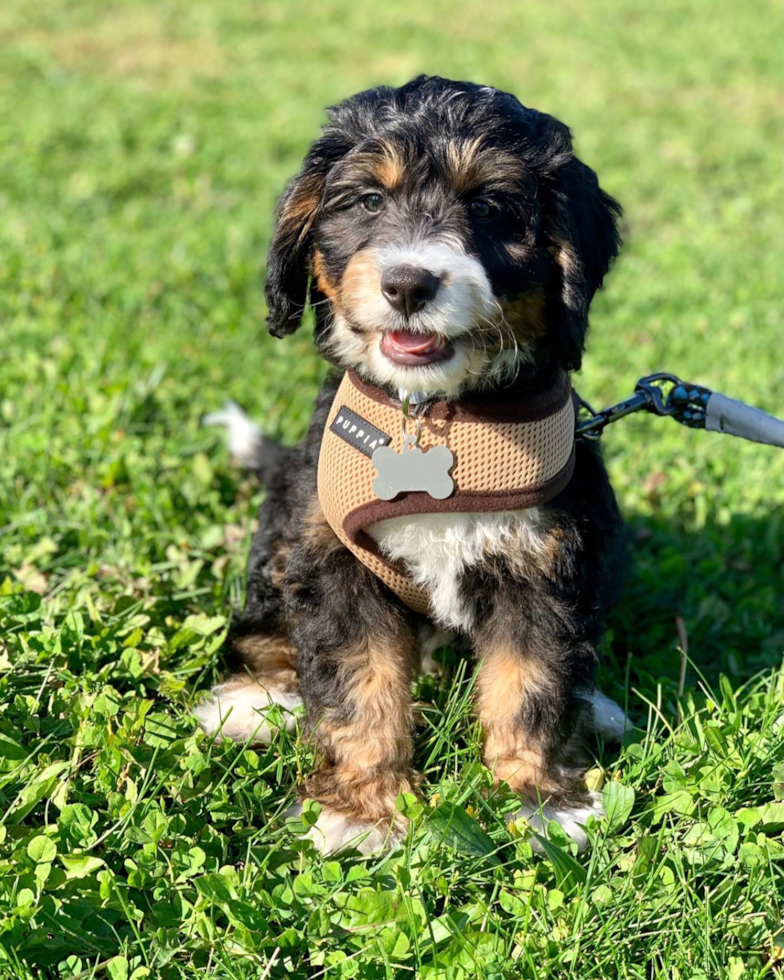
(142, 147)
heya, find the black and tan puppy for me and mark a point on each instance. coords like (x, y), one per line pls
(450, 244)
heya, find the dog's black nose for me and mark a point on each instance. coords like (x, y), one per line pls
(408, 289)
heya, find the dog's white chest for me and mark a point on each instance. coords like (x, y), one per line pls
(438, 548)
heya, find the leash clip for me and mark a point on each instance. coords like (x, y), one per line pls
(592, 428)
(662, 394)
(687, 403)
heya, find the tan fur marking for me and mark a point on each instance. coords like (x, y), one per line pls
(505, 677)
(525, 316)
(385, 163)
(299, 210)
(361, 281)
(271, 661)
(564, 254)
(279, 563)
(316, 531)
(390, 169)
(524, 560)
(552, 551)
(367, 758)
(470, 165)
(323, 281)
(461, 160)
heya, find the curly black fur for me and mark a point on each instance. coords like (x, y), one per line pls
(555, 234)
(554, 203)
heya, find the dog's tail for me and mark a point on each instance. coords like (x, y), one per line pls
(247, 443)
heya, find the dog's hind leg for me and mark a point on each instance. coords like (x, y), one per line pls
(239, 707)
(258, 650)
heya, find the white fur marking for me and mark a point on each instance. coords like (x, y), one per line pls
(334, 832)
(431, 640)
(437, 548)
(608, 717)
(464, 295)
(571, 819)
(242, 436)
(241, 713)
(464, 302)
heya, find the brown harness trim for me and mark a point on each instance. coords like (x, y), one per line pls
(500, 405)
(461, 502)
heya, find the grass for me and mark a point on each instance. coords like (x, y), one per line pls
(142, 146)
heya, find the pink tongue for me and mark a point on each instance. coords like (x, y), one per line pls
(412, 343)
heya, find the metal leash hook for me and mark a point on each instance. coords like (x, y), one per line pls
(685, 402)
(691, 405)
(591, 428)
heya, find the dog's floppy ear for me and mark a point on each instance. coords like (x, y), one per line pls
(582, 237)
(289, 257)
(287, 260)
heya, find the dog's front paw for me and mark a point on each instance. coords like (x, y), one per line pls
(572, 818)
(334, 832)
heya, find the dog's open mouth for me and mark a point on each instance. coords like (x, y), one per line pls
(411, 348)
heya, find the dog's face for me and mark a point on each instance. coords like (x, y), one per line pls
(451, 235)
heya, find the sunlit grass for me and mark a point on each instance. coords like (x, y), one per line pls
(142, 147)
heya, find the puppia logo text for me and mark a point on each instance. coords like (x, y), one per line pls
(354, 430)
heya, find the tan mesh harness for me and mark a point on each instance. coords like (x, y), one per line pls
(512, 451)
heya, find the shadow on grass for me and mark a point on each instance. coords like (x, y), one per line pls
(724, 581)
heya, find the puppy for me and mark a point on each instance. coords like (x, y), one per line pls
(449, 243)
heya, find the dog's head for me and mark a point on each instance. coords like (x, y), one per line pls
(450, 236)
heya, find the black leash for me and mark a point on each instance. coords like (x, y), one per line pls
(691, 405)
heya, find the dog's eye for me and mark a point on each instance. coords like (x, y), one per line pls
(372, 203)
(480, 209)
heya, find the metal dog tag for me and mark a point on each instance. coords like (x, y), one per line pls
(413, 470)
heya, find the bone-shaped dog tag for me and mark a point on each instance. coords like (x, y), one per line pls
(413, 470)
